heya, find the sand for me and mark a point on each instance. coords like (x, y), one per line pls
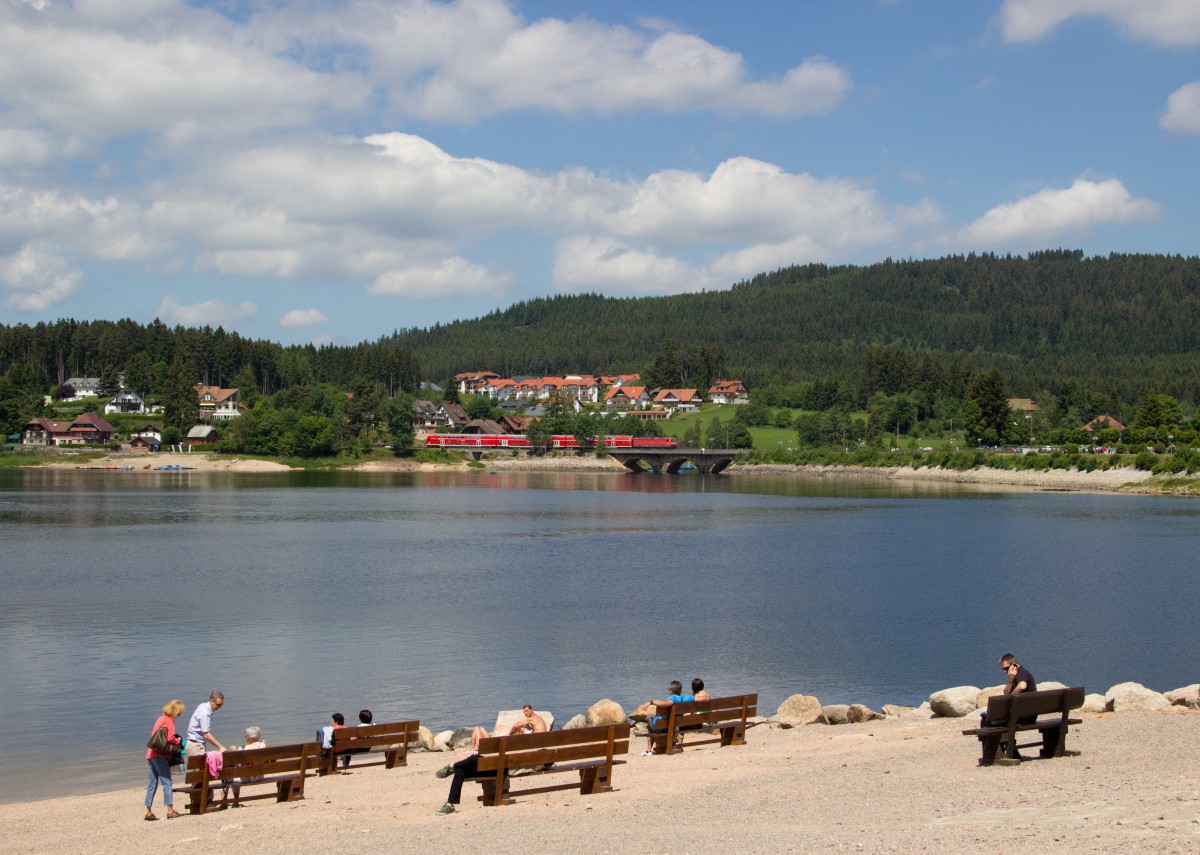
(899, 785)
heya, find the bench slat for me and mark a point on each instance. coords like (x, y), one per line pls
(1010, 709)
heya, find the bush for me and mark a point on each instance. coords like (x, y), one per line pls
(1145, 461)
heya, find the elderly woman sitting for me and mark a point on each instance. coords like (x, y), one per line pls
(253, 740)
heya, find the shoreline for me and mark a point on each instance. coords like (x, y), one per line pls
(1124, 480)
(899, 784)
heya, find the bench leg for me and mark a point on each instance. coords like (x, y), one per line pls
(395, 757)
(991, 744)
(732, 736)
(592, 781)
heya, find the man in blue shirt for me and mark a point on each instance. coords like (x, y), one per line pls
(199, 727)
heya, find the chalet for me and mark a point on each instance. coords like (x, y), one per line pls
(203, 435)
(513, 424)
(678, 400)
(729, 392)
(85, 387)
(1104, 423)
(626, 397)
(148, 431)
(456, 416)
(430, 417)
(473, 382)
(88, 429)
(127, 401)
(482, 426)
(218, 403)
(144, 444)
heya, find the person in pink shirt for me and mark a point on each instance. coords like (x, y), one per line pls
(160, 764)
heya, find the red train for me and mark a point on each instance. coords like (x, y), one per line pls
(519, 440)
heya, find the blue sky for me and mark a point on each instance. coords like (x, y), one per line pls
(330, 171)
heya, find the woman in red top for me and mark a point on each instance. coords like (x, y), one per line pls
(160, 764)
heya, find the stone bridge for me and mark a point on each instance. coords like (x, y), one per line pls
(707, 460)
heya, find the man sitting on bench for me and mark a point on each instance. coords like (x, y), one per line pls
(468, 767)
(1019, 680)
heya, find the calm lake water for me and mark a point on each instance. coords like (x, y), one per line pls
(447, 597)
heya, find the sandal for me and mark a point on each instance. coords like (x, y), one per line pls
(174, 814)
(150, 817)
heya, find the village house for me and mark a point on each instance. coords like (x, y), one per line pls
(85, 387)
(146, 438)
(88, 429)
(127, 401)
(1104, 423)
(218, 403)
(429, 416)
(203, 435)
(626, 397)
(678, 400)
(474, 382)
(729, 392)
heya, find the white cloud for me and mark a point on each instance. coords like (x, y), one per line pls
(37, 277)
(462, 61)
(452, 277)
(1182, 115)
(210, 312)
(24, 147)
(110, 69)
(1049, 214)
(302, 318)
(583, 263)
(1175, 23)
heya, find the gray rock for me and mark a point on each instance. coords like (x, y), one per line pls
(461, 738)
(836, 713)
(859, 713)
(799, 710)
(1188, 696)
(1094, 703)
(424, 740)
(955, 702)
(605, 712)
(982, 698)
(575, 722)
(1134, 696)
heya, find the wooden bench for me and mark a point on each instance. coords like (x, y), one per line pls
(392, 739)
(590, 751)
(1010, 709)
(726, 716)
(282, 767)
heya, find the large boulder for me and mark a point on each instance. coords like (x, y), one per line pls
(424, 740)
(836, 713)
(575, 722)
(461, 738)
(605, 712)
(1094, 703)
(954, 703)
(643, 712)
(1134, 696)
(799, 710)
(860, 713)
(1188, 696)
(1051, 684)
(505, 719)
(442, 741)
(898, 710)
(982, 698)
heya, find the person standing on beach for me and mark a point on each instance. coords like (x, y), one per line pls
(199, 729)
(160, 764)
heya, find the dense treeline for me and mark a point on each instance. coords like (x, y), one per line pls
(1102, 328)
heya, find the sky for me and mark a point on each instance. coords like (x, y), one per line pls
(330, 171)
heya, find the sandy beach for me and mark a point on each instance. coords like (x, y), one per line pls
(1114, 480)
(897, 785)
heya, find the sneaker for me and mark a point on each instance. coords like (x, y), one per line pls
(445, 809)
(647, 753)
(445, 772)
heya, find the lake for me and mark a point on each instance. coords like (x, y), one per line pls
(446, 597)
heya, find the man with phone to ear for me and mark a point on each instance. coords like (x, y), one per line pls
(1019, 680)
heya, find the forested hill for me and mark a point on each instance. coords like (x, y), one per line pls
(1119, 324)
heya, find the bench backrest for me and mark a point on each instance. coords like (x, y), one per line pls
(715, 711)
(1004, 707)
(259, 762)
(555, 746)
(374, 735)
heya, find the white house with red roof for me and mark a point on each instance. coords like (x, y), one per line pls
(729, 392)
(678, 400)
